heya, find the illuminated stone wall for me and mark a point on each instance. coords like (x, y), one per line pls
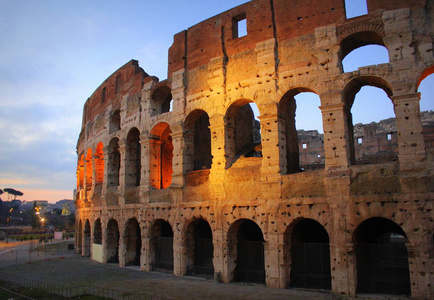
(181, 152)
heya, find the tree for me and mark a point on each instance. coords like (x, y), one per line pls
(13, 192)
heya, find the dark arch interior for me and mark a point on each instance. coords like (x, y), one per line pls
(310, 256)
(97, 232)
(382, 258)
(112, 242)
(250, 253)
(163, 261)
(134, 243)
(200, 243)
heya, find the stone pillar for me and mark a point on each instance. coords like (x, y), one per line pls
(104, 240)
(179, 261)
(271, 260)
(219, 253)
(123, 240)
(154, 163)
(272, 154)
(105, 175)
(145, 255)
(178, 159)
(121, 188)
(420, 268)
(411, 144)
(145, 169)
(217, 172)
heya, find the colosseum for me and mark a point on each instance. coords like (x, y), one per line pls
(179, 176)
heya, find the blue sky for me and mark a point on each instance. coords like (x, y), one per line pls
(53, 55)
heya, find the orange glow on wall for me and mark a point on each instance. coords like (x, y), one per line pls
(161, 156)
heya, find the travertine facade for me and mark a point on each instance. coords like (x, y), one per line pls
(175, 175)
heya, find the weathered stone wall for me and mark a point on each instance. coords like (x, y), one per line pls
(152, 194)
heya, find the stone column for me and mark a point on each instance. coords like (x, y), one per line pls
(217, 172)
(411, 144)
(178, 159)
(104, 240)
(121, 188)
(179, 262)
(145, 169)
(123, 240)
(271, 261)
(105, 175)
(272, 153)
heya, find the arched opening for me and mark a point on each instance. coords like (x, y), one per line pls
(243, 132)
(89, 170)
(162, 243)
(365, 56)
(372, 132)
(133, 242)
(358, 40)
(246, 252)
(97, 232)
(161, 153)
(80, 172)
(382, 258)
(355, 8)
(112, 247)
(115, 121)
(197, 138)
(426, 90)
(310, 255)
(99, 167)
(80, 237)
(161, 101)
(200, 249)
(133, 159)
(114, 163)
(304, 139)
(86, 241)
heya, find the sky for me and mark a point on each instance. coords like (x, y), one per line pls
(54, 54)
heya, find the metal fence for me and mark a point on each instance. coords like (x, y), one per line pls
(36, 251)
(75, 291)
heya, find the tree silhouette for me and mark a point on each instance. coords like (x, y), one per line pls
(12, 192)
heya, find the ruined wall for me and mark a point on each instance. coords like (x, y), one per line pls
(162, 181)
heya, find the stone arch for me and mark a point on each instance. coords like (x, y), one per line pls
(307, 255)
(99, 165)
(161, 154)
(112, 247)
(162, 246)
(80, 172)
(133, 242)
(199, 248)
(161, 100)
(97, 232)
(359, 36)
(197, 138)
(425, 73)
(349, 94)
(133, 158)
(242, 132)
(86, 239)
(287, 112)
(114, 163)
(89, 169)
(246, 261)
(381, 257)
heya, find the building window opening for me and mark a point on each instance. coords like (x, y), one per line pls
(310, 256)
(161, 101)
(112, 242)
(115, 124)
(163, 247)
(161, 154)
(382, 258)
(133, 242)
(302, 125)
(389, 136)
(239, 26)
(370, 127)
(97, 232)
(99, 165)
(103, 94)
(133, 159)
(250, 265)
(243, 132)
(426, 90)
(355, 8)
(365, 56)
(80, 173)
(114, 163)
(118, 84)
(197, 137)
(200, 249)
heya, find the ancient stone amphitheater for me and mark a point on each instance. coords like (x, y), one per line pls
(177, 175)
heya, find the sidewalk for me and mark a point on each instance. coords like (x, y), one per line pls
(75, 271)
